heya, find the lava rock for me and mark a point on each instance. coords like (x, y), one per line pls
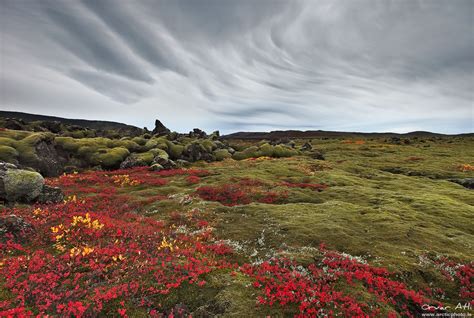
(14, 226)
(50, 195)
(164, 162)
(466, 182)
(160, 129)
(50, 163)
(306, 147)
(131, 162)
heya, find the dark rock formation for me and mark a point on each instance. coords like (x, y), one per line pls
(306, 147)
(466, 182)
(132, 161)
(49, 163)
(160, 129)
(50, 195)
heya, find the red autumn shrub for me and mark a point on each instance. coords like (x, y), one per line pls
(227, 194)
(193, 179)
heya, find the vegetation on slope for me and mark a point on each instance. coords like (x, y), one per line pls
(260, 223)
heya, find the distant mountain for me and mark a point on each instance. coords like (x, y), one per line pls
(92, 124)
(278, 134)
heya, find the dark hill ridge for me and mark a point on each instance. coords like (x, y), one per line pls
(92, 124)
(298, 134)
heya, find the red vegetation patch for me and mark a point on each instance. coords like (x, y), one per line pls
(313, 288)
(243, 191)
(193, 179)
(94, 256)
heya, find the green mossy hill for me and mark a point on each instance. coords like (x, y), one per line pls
(19, 146)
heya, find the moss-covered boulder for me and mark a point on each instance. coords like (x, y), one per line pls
(283, 151)
(175, 151)
(250, 152)
(111, 158)
(266, 150)
(8, 154)
(222, 154)
(20, 185)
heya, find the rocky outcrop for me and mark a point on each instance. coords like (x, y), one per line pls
(160, 129)
(49, 162)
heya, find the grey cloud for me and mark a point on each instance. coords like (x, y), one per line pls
(84, 39)
(362, 65)
(138, 37)
(116, 88)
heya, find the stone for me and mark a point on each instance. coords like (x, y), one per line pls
(132, 161)
(160, 129)
(306, 147)
(50, 195)
(17, 185)
(13, 226)
(156, 167)
(466, 182)
(164, 162)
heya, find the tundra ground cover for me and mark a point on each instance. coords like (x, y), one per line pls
(141, 243)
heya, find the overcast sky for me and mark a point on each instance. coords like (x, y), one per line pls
(255, 65)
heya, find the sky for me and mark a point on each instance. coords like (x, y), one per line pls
(247, 65)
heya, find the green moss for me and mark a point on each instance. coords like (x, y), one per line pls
(280, 151)
(8, 154)
(7, 141)
(128, 144)
(266, 150)
(22, 185)
(111, 158)
(139, 140)
(157, 142)
(208, 145)
(67, 143)
(222, 154)
(250, 152)
(175, 150)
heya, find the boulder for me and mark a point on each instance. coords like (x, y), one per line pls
(306, 147)
(12, 226)
(50, 163)
(133, 161)
(180, 163)
(197, 133)
(52, 126)
(156, 167)
(17, 185)
(50, 195)
(160, 129)
(164, 162)
(14, 124)
(466, 182)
